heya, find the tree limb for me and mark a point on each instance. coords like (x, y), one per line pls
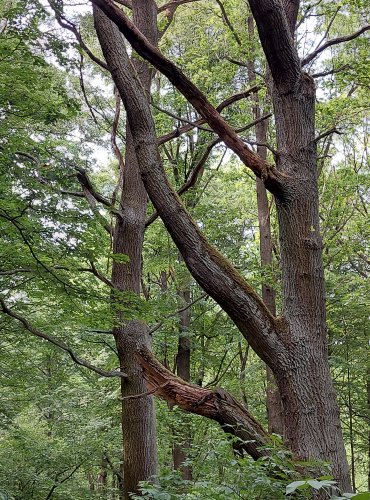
(224, 104)
(215, 404)
(58, 343)
(335, 41)
(175, 3)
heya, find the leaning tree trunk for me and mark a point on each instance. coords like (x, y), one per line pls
(294, 345)
(138, 414)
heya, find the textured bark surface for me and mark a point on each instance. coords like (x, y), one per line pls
(312, 423)
(138, 415)
(215, 404)
(293, 346)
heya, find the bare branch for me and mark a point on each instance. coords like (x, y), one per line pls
(237, 63)
(335, 41)
(68, 25)
(58, 482)
(99, 275)
(175, 3)
(92, 196)
(181, 119)
(332, 71)
(328, 27)
(333, 130)
(58, 343)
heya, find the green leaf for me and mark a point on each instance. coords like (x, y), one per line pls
(294, 486)
(122, 258)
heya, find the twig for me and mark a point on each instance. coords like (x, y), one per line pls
(181, 119)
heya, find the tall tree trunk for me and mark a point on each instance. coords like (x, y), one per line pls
(273, 400)
(312, 424)
(138, 414)
(311, 415)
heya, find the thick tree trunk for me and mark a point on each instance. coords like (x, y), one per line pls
(138, 415)
(311, 414)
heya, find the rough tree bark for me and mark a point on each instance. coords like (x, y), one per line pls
(294, 346)
(138, 414)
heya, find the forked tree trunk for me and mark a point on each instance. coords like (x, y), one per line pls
(138, 414)
(295, 345)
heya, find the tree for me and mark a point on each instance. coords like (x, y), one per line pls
(294, 346)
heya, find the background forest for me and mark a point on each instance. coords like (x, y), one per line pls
(62, 140)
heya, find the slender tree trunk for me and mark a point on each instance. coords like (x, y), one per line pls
(273, 400)
(350, 417)
(183, 371)
(138, 415)
(103, 475)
